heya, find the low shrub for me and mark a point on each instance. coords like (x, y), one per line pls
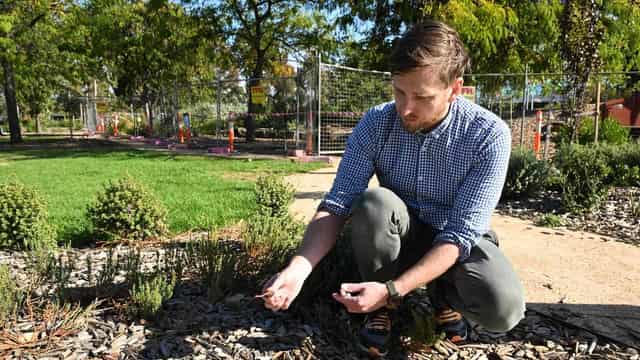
(148, 295)
(526, 174)
(624, 161)
(23, 218)
(549, 220)
(269, 242)
(610, 132)
(125, 209)
(584, 172)
(10, 295)
(273, 196)
(217, 264)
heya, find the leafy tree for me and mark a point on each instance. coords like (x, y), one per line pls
(501, 36)
(145, 48)
(38, 44)
(620, 47)
(582, 32)
(262, 33)
(18, 19)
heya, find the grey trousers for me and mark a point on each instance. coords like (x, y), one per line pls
(387, 240)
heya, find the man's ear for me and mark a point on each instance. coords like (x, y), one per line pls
(456, 88)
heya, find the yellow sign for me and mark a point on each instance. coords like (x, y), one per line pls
(102, 107)
(469, 93)
(257, 95)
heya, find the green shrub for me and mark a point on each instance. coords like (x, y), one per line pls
(40, 267)
(217, 264)
(148, 295)
(23, 218)
(624, 161)
(526, 174)
(207, 128)
(273, 196)
(423, 328)
(269, 242)
(610, 132)
(10, 295)
(127, 210)
(549, 220)
(584, 172)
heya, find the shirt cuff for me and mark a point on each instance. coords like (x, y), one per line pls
(333, 208)
(464, 246)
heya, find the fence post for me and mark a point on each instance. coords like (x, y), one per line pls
(297, 133)
(524, 106)
(597, 112)
(547, 135)
(218, 118)
(319, 99)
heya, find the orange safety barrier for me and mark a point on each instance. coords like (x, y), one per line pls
(231, 137)
(538, 133)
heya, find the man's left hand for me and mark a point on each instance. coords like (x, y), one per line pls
(362, 297)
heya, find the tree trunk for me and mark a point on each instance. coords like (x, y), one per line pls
(36, 117)
(12, 104)
(148, 112)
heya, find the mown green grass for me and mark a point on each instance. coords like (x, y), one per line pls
(199, 192)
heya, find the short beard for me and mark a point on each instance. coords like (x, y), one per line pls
(413, 129)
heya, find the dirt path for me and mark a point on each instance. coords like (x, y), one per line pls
(555, 265)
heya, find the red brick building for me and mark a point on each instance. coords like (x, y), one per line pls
(626, 111)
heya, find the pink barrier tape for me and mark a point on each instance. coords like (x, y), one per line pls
(218, 150)
(326, 113)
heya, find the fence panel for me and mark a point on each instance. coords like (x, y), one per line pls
(345, 95)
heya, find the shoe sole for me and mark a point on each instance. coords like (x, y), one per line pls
(372, 351)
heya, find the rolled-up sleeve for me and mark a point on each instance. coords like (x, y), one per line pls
(356, 167)
(478, 194)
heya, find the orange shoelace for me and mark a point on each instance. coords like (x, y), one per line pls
(380, 321)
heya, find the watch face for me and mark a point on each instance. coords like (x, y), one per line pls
(394, 298)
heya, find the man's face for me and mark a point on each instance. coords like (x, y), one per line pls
(422, 99)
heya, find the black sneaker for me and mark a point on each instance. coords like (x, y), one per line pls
(454, 326)
(492, 237)
(375, 333)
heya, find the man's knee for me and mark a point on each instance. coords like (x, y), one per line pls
(373, 201)
(502, 309)
(377, 209)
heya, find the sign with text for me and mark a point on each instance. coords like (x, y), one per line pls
(257, 95)
(469, 93)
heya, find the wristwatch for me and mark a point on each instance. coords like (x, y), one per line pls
(394, 299)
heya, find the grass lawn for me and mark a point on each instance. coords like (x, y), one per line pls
(199, 192)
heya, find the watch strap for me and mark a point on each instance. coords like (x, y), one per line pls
(394, 297)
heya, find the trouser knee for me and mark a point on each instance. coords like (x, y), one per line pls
(379, 218)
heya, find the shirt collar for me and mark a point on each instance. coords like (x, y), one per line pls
(438, 130)
(444, 124)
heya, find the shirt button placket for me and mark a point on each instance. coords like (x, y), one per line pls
(422, 164)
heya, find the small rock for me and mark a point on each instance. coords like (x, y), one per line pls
(541, 349)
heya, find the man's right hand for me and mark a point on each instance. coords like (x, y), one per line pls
(283, 287)
(320, 237)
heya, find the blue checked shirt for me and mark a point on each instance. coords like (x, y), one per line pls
(450, 177)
